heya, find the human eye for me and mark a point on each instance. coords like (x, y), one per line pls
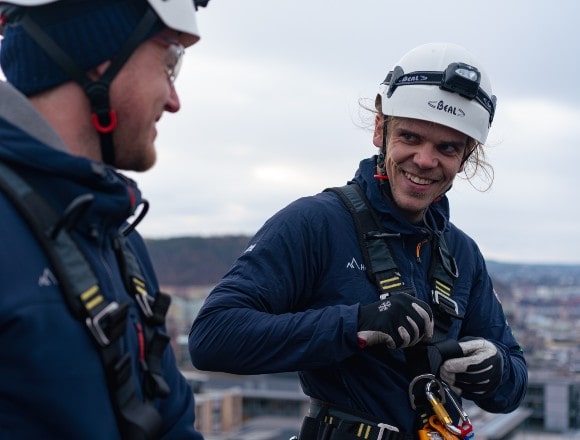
(450, 149)
(408, 137)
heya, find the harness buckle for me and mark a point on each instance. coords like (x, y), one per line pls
(448, 304)
(95, 323)
(143, 302)
(383, 426)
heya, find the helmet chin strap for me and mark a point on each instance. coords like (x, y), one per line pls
(104, 118)
(382, 176)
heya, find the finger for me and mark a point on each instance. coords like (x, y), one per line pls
(427, 320)
(472, 346)
(456, 365)
(414, 330)
(405, 336)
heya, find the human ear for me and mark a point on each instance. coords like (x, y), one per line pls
(378, 133)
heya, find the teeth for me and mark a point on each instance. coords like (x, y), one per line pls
(418, 180)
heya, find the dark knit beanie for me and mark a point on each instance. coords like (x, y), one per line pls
(89, 31)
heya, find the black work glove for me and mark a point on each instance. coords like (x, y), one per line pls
(398, 321)
(478, 374)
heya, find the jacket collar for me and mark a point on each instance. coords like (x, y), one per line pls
(16, 109)
(29, 142)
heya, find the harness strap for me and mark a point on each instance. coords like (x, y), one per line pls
(443, 272)
(329, 422)
(105, 320)
(153, 311)
(382, 270)
(379, 263)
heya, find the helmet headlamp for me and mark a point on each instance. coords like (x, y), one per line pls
(459, 78)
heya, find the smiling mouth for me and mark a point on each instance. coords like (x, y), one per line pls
(416, 179)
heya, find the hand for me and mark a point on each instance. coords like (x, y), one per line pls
(478, 374)
(398, 321)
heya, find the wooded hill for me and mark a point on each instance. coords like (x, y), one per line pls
(194, 261)
(202, 261)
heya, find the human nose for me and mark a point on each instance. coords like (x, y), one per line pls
(426, 156)
(173, 104)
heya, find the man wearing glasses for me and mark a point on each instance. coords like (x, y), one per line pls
(84, 348)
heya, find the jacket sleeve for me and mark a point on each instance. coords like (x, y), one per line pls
(486, 318)
(256, 320)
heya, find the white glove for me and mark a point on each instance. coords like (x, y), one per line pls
(478, 374)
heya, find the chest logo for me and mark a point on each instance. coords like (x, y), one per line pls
(353, 264)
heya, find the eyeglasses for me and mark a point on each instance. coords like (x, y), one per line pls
(173, 56)
(173, 60)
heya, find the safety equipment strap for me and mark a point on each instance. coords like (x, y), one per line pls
(382, 271)
(104, 118)
(106, 320)
(379, 263)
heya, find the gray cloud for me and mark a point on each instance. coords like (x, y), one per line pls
(270, 113)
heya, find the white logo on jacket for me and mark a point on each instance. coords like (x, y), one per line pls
(353, 264)
(249, 249)
(47, 278)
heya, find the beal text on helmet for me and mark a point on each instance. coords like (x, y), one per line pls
(447, 108)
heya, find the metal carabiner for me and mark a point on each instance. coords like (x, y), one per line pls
(428, 377)
(438, 407)
(466, 427)
(460, 410)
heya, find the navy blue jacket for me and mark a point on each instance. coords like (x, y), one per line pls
(52, 383)
(290, 303)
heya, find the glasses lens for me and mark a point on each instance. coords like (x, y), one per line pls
(173, 60)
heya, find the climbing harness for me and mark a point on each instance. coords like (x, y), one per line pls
(383, 272)
(330, 422)
(380, 264)
(105, 320)
(423, 360)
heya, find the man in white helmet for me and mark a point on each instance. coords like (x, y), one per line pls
(85, 353)
(368, 291)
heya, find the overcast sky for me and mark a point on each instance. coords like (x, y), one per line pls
(270, 112)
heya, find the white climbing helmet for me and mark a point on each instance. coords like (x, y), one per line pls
(175, 14)
(441, 83)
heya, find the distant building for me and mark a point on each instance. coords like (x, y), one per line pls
(272, 406)
(554, 401)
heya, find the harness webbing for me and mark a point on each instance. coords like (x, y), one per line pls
(382, 270)
(380, 266)
(106, 320)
